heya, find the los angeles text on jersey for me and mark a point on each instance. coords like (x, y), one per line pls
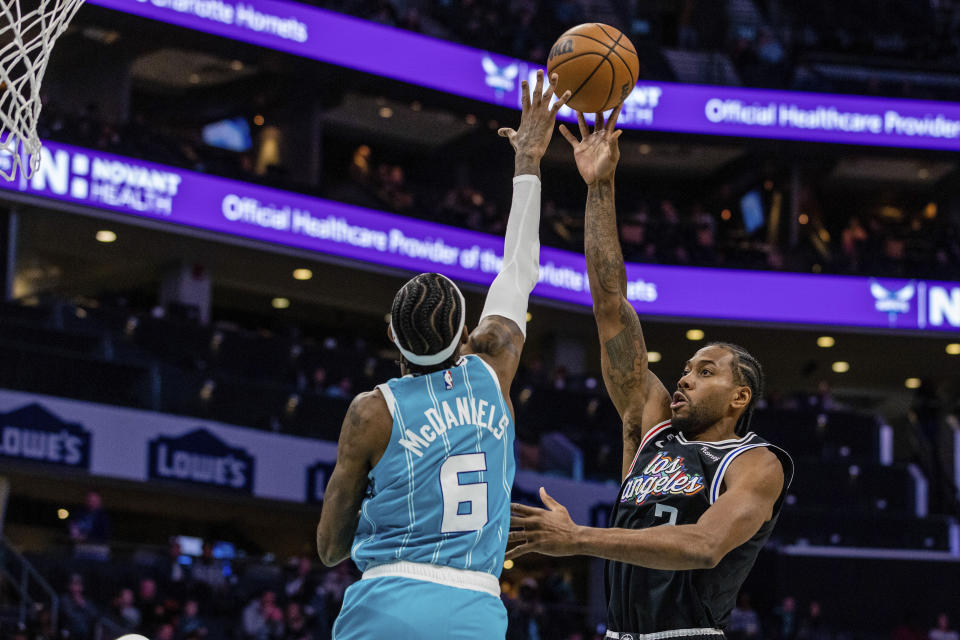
(467, 412)
(663, 475)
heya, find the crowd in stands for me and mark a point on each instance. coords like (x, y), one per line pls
(771, 43)
(172, 596)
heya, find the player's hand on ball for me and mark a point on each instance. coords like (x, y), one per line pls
(537, 118)
(549, 531)
(597, 153)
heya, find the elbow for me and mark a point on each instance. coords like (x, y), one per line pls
(606, 306)
(329, 555)
(707, 556)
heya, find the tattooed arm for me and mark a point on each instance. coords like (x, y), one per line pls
(639, 396)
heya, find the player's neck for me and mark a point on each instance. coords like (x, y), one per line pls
(719, 431)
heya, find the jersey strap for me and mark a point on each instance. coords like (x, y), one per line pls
(724, 465)
(658, 428)
(388, 397)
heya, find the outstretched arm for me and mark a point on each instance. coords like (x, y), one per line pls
(499, 337)
(363, 439)
(639, 396)
(753, 484)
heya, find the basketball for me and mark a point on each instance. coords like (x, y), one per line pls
(597, 63)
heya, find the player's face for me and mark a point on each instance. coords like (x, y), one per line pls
(704, 391)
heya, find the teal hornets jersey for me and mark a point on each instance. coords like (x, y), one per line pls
(441, 492)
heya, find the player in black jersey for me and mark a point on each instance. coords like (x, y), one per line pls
(689, 459)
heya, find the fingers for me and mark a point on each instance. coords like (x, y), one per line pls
(598, 121)
(524, 95)
(548, 501)
(572, 139)
(506, 132)
(584, 132)
(516, 537)
(538, 88)
(612, 122)
(562, 100)
(522, 510)
(552, 87)
(516, 552)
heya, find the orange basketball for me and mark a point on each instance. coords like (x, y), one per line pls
(597, 63)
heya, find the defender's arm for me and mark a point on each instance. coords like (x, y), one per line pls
(363, 439)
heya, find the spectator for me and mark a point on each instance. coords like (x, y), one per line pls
(744, 621)
(173, 575)
(90, 531)
(191, 622)
(124, 610)
(263, 619)
(208, 571)
(813, 627)
(79, 615)
(526, 613)
(299, 587)
(151, 607)
(943, 631)
(785, 617)
(296, 624)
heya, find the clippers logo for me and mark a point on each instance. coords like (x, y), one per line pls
(664, 475)
(500, 78)
(448, 380)
(892, 302)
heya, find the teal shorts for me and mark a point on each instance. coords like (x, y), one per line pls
(395, 608)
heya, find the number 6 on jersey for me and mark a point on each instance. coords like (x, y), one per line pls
(456, 516)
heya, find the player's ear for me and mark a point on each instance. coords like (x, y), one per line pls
(742, 396)
(390, 333)
(464, 336)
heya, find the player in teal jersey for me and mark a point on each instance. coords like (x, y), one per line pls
(420, 495)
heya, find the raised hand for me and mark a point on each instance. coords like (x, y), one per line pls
(548, 531)
(597, 153)
(531, 139)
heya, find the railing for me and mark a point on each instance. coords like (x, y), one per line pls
(18, 571)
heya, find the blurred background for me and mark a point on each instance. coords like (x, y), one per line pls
(179, 343)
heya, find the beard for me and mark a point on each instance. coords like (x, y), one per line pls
(698, 419)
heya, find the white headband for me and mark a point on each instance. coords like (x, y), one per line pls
(444, 354)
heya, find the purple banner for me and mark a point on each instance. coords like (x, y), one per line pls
(726, 111)
(149, 190)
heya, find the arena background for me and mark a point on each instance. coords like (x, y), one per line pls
(196, 282)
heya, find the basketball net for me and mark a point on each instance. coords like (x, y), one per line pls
(28, 31)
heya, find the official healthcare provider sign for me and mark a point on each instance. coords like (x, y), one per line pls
(149, 190)
(727, 111)
(191, 454)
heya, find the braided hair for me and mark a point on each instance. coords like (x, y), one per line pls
(425, 315)
(747, 372)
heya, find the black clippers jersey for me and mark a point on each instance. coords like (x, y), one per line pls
(673, 481)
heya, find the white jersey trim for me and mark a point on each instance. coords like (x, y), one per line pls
(388, 397)
(720, 444)
(493, 373)
(438, 574)
(724, 465)
(657, 428)
(664, 635)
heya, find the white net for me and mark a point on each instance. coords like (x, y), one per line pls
(28, 31)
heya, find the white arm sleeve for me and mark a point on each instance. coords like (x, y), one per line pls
(511, 288)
